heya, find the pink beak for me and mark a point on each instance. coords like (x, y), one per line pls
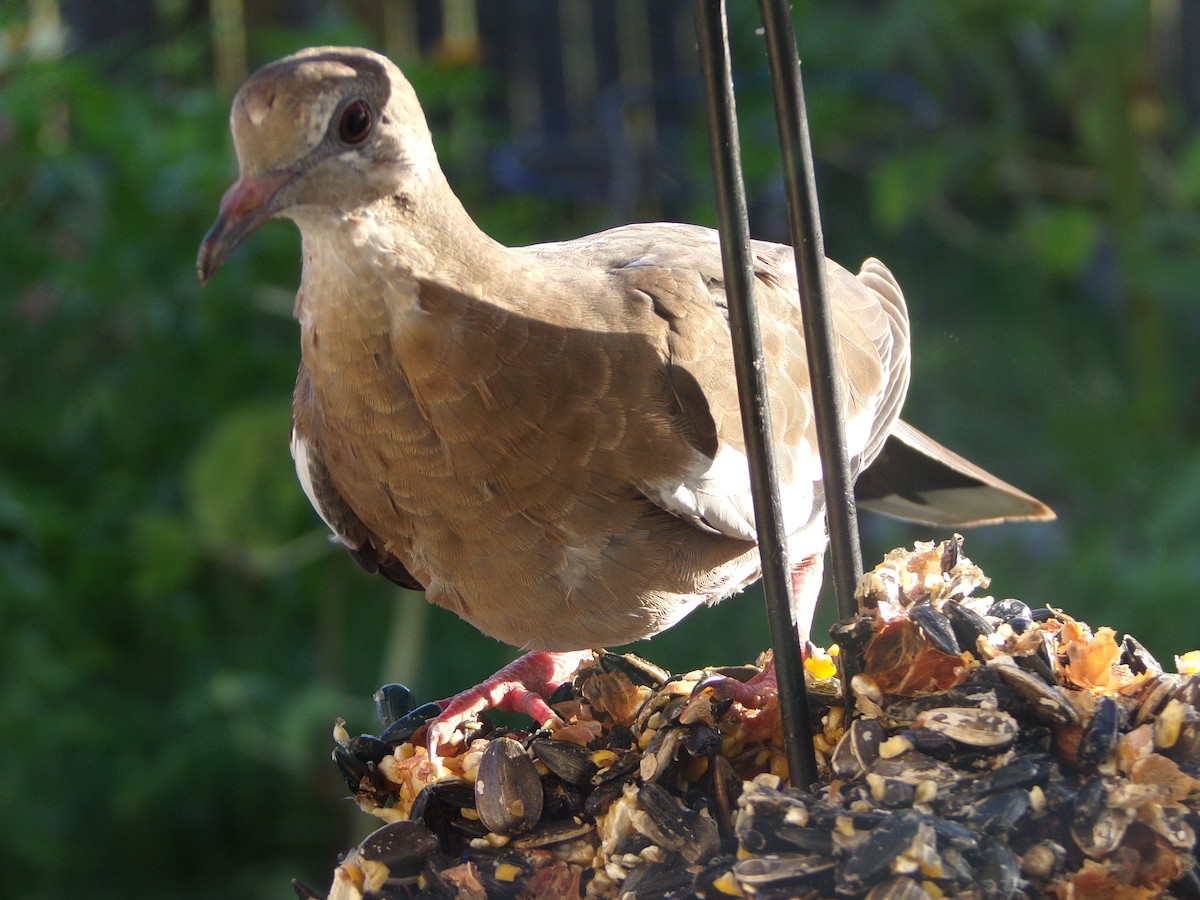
(245, 206)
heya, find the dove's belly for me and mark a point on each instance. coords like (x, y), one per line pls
(592, 568)
(539, 586)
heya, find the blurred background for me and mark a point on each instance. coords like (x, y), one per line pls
(176, 632)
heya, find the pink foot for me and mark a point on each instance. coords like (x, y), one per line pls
(764, 687)
(753, 694)
(522, 686)
(756, 702)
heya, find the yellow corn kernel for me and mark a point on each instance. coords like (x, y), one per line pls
(603, 758)
(507, 872)
(1170, 721)
(1189, 663)
(374, 873)
(643, 739)
(895, 746)
(779, 765)
(732, 743)
(926, 791)
(820, 666)
(1037, 799)
(728, 885)
(340, 734)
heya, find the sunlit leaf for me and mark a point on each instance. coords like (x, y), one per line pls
(903, 185)
(1063, 238)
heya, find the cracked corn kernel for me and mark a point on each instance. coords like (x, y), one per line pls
(1170, 721)
(643, 739)
(820, 666)
(894, 746)
(340, 734)
(1188, 663)
(603, 758)
(926, 791)
(728, 885)
(489, 841)
(507, 872)
(1037, 799)
(375, 874)
(835, 719)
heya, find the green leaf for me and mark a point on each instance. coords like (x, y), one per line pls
(903, 185)
(164, 550)
(241, 488)
(1062, 238)
(1189, 171)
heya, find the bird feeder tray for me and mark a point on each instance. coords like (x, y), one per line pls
(986, 750)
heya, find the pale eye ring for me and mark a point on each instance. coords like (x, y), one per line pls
(355, 122)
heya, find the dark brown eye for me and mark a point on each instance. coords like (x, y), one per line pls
(355, 123)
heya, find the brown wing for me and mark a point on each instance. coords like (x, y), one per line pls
(682, 276)
(346, 526)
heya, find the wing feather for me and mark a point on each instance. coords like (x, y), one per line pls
(337, 515)
(871, 328)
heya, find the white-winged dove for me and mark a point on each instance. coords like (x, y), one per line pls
(547, 438)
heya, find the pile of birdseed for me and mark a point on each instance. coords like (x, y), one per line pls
(989, 751)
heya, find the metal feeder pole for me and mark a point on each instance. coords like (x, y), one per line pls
(717, 75)
(804, 218)
(808, 246)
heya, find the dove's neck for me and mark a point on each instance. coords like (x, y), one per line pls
(424, 230)
(356, 260)
(431, 224)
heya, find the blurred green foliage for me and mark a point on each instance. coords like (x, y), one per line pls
(176, 634)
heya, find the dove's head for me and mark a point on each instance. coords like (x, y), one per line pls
(326, 129)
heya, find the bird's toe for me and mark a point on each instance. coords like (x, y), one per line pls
(523, 686)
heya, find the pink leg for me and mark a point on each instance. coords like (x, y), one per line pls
(806, 586)
(522, 686)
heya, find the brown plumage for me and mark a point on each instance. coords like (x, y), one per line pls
(545, 438)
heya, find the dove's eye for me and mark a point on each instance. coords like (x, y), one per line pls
(355, 122)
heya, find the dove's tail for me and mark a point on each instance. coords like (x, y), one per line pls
(916, 478)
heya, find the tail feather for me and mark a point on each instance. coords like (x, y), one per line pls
(917, 479)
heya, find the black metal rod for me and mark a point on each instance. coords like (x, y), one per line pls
(804, 218)
(717, 74)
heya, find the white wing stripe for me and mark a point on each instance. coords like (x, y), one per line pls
(717, 497)
(300, 455)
